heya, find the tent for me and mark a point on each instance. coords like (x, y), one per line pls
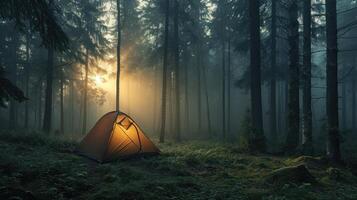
(115, 136)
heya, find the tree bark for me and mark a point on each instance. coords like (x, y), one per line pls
(199, 95)
(39, 125)
(118, 57)
(72, 105)
(85, 95)
(27, 78)
(204, 74)
(164, 73)
(13, 79)
(257, 141)
(273, 123)
(353, 100)
(61, 104)
(333, 147)
(344, 106)
(224, 123)
(171, 102)
(177, 73)
(154, 122)
(187, 108)
(47, 118)
(229, 89)
(292, 140)
(307, 113)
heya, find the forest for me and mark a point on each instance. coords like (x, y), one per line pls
(178, 99)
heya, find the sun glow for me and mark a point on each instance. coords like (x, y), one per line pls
(98, 79)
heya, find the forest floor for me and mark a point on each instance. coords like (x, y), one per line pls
(37, 167)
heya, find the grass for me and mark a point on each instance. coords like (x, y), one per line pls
(37, 167)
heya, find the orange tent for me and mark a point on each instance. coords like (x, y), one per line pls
(114, 136)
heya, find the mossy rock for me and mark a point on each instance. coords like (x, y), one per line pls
(340, 175)
(309, 161)
(296, 174)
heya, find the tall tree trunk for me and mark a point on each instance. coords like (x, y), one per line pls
(177, 72)
(47, 118)
(27, 78)
(224, 123)
(172, 102)
(40, 105)
(199, 95)
(273, 123)
(353, 100)
(333, 147)
(118, 56)
(85, 95)
(155, 71)
(344, 106)
(128, 95)
(257, 141)
(292, 140)
(204, 74)
(307, 113)
(61, 104)
(187, 108)
(229, 88)
(164, 72)
(13, 79)
(72, 106)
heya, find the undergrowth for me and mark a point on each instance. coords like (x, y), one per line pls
(36, 166)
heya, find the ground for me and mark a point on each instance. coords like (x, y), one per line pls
(37, 167)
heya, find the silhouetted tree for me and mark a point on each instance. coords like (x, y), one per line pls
(333, 147)
(164, 72)
(307, 112)
(292, 140)
(257, 139)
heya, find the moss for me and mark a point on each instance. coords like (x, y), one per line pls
(296, 174)
(309, 161)
(190, 170)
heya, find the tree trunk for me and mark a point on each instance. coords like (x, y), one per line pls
(154, 122)
(307, 113)
(85, 95)
(61, 104)
(187, 108)
(292, 140)
(199, 95)
(353, 100)
(333, 147)
(27, 78)
(229, 89)
(207, 102)
(344, 104)
(273, 123)
(224, 123)
(164, 73)
(47, 118)
(13, 79)
(40, 105)
(72, 106)
(257, 141)
(118, 56)
(177, 73)
(171, 102)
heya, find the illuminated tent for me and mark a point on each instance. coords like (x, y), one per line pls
(114, 136)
